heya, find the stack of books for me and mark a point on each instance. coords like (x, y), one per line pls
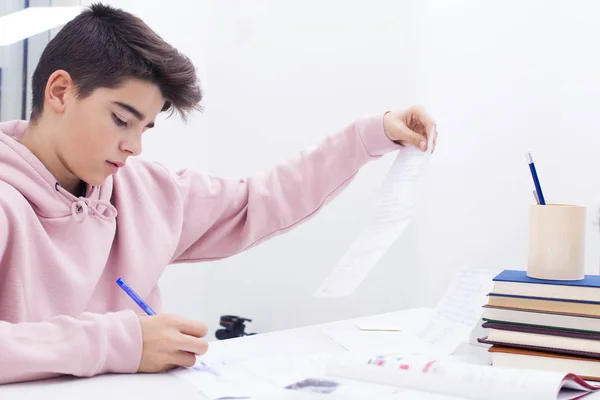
(544, 324)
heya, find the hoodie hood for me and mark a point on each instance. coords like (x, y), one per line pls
(21, 169)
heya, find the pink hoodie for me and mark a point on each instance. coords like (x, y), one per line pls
(61, 311)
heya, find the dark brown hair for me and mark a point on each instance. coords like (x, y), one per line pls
(105, 46)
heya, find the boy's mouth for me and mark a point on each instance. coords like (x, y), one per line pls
(118, 164)
(115, 165)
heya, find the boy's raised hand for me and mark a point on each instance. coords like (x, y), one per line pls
(170, 341)
(411, 126)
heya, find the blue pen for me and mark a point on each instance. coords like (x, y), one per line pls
(135, 297)
(536, 181)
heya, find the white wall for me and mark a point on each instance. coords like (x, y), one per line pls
(500, 78)
(503, 78)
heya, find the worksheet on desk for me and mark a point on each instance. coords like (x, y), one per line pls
(458, 311)
(269, 377)
(439, 331)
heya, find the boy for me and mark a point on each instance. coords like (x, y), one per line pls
(78, 211)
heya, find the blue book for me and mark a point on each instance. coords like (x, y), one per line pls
(517, 283)
(510, 275)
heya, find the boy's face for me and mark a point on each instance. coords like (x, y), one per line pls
(99, 132)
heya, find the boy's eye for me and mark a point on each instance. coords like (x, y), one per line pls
(119, 121)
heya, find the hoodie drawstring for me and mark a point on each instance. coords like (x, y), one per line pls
(81, 207)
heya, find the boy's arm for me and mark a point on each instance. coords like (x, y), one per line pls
(222, 217)
(88, 345)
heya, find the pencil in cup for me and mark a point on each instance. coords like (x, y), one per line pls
(536, 180)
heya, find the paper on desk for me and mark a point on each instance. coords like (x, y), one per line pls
(277, 377)
(440, 333)
(377, 342)
(459, 310)
(394, 211)
(308, 374)
(220, 380)
(418, 395)
(395, 321)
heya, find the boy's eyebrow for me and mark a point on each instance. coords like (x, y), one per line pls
(134, 111)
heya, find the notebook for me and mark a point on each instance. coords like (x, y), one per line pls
(516, 282)
(541, 361)
(470, 381)
(541, 318)
(486, 341)
(564, 341)
(545, 304)
(543, 330)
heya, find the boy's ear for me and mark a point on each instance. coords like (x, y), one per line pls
(59, 89)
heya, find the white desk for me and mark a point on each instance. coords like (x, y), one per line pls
(293, 342)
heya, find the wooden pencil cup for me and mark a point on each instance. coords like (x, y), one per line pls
(556, 242)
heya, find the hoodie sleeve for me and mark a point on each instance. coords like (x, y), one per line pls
(89, 345)
(222, 217)
(86, 345)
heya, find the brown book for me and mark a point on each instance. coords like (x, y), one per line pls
(523, 303)
(587, 368)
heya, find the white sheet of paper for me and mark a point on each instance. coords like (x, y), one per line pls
(277, 378)
(377, 342)
(438, 332)
(307, 374)
(417, 395)
(220, 379)
(467, 293)
(394, 210)
(459, 310)
(395, 321)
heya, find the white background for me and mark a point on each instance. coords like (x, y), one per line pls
(500, 78)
